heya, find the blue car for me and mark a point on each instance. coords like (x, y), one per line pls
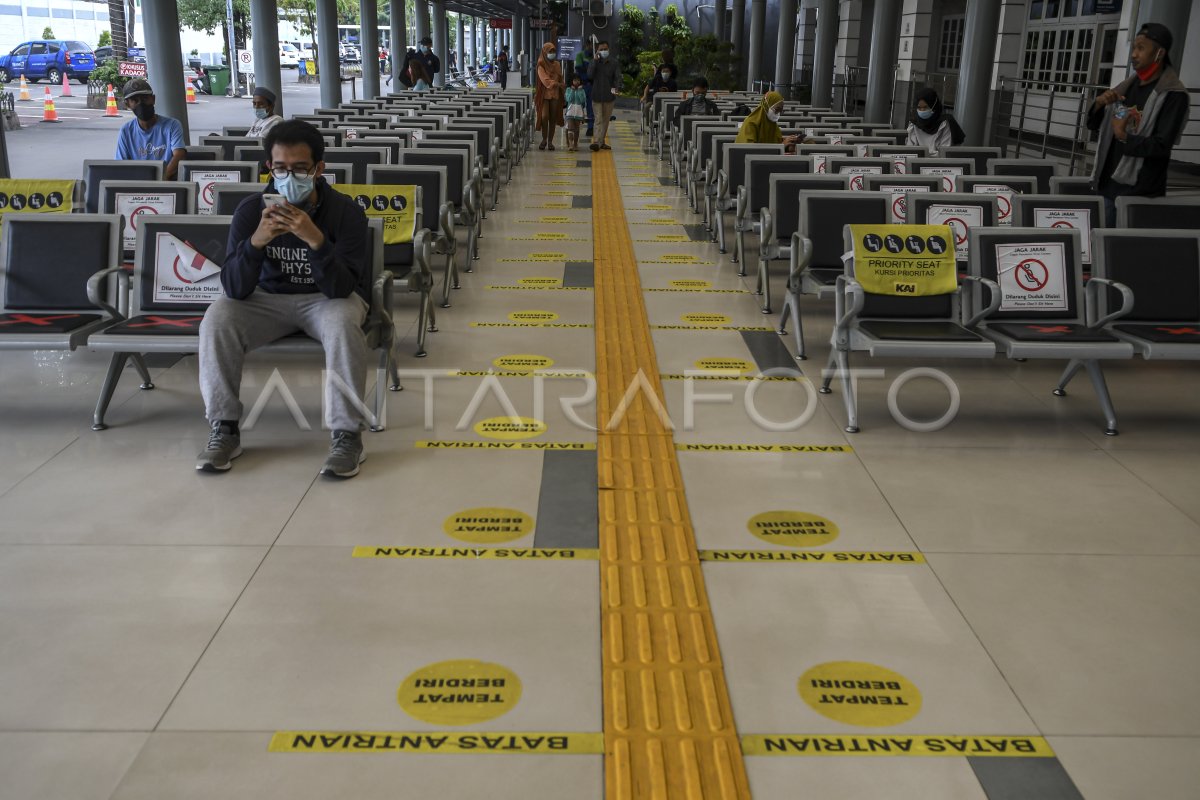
(49, 59)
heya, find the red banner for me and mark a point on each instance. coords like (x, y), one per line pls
(500, 23)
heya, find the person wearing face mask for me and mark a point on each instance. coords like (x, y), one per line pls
(1139, 121)
(698, 104)
(297, 266)
(761, 126)
(502, 67)
(548, 96)
(931, 127)
(575, 102)
(664, 79)
(605, 76)
(265, 118)
(149, 136)
(428, 58)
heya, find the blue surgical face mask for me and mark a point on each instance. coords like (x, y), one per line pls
(260, 113)
(551, 56)
(926, 114)
(424, 49)
(294, 188)
(603, 53)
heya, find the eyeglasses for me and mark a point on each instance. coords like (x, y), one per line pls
(283, 172)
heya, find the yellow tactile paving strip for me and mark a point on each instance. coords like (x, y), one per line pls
(668, 725)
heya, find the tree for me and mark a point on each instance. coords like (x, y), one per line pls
(208, 16)
(105, 39)
(47, 32)
(120, 34)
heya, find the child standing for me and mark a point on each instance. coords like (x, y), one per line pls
(576, 100)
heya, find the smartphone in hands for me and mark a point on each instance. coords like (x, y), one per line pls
(272, 200)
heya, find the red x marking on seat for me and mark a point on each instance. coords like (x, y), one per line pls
(154, 322)
(1050, 328)
(1178, 331)
(19, 318)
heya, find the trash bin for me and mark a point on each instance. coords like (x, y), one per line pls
(218, 80)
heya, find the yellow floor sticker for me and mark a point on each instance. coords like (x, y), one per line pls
(488, 525)
(683, 376)
(436, 444)
(459, 692)
(896, 745)
(540, 288)
(479, 553)
(510, 428)
(809, 557)
(710, 327)
(858, 693)
(792, 528)
(763, 448)
(443, 742)
(523, 362)
(531, 325)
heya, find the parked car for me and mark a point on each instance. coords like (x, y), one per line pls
(49, 59)
(103, 54)
(288, 55)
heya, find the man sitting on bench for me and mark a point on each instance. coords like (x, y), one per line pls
(294, 266)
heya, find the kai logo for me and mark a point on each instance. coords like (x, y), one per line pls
(906, 288)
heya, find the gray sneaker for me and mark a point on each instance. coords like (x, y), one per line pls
(345, 454)
(223, 447)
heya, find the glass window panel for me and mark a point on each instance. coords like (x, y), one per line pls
(1051, 9)
(1035, 9)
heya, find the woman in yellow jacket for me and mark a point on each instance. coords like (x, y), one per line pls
(548, 95)
(761, 126)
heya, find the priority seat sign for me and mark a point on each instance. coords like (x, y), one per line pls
(904, 260)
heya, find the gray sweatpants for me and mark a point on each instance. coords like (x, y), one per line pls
(232, 328)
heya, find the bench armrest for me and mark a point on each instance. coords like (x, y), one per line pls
(975, 283)
(1093, 301)
(121, 311)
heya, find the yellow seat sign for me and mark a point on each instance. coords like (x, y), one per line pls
(36, 196)
(394, 204)
(904, 260)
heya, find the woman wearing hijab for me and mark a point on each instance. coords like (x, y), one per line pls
(548, 96)
(931, 127)
(761, 126)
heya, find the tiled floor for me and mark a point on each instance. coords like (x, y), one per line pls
(157, 626)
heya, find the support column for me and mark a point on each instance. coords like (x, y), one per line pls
(460, 44)
(823, 55)
(327, 53)
(719, 22)
(758, 21)
(975, 74)
(737, 29)
(421, 9)
(440, 40)
(881, 79)
(369, 14)
(164, 60)
(266, 49)
(785, 47)
(399, 40)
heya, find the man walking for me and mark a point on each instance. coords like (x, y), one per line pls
(605, 76)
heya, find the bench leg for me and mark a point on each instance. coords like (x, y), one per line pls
(764, 284)
(1106, 404)
(721, 231)
(381, 376)
(843, 366)
(791, 306)
(139, 364)
(1073, 367)
(115, 367)
(450, 279)
(739, 250)
(422, 320)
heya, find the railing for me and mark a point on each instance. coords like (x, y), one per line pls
(850, 90)
(1045, 119)
(800, 89)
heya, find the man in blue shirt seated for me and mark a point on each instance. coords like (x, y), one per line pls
(295, 266)
(149, 136)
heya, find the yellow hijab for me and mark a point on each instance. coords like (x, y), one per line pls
(756, 128)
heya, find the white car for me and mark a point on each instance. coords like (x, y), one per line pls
(288, 56)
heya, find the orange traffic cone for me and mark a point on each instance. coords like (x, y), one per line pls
(191, 91)
(66, 87)
(110, 105)
(24, 96)
(48, 112)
